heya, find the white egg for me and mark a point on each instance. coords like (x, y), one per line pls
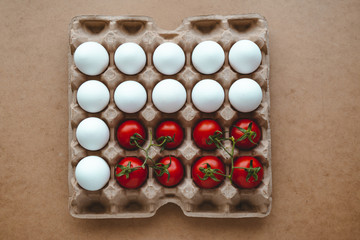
(245, 95)
(130, 96)
(93, 96)
(169, 58)
(169, 96)
(245, 56)
(91, 58)
(92, 173)
(92, 133)
(208, 95)
(130, 58)
(208, 57)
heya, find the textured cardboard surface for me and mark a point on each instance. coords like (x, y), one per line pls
(225, 201)
(314, 117)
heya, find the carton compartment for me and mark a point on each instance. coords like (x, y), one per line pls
(94, 26)
(206, 26)
(242, 25)
(131, 27)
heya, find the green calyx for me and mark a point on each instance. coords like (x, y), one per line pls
(163, 141)
(135, 139)
(247, 134)
(161, 168)
(252, 172)
(210, 173)
(126, 170)
(216, 139)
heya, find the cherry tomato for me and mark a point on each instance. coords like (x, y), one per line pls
(171, 129)
(241, 130)
(126, 130)
(250, 173)
(206, 170)
(129, 173)
(203, 130)
(175, 169)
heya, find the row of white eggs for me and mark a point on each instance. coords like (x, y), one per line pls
(91, 58)
(169, 96)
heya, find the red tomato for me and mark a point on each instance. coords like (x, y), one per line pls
(203, 130)
(254, 133)
(175, 169)
(205, 171)
(133, 176)
(126, 130)
(247, 176)
(171, 129)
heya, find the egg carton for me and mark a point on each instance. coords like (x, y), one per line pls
(113, 201)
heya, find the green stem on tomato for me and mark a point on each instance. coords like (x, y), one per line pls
(232, 159)
(210, 173)
(217, 140)
(147, 150)
(137, 144)
(161, 167)
(247, 134)
(136, 137)
(126, 170)
(231, 156)
(252, 172)
(223, 147)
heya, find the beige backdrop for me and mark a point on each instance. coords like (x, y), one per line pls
(315, 84)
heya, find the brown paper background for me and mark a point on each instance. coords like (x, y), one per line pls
(315, 85)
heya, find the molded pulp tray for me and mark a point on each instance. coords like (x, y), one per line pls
(113, 201)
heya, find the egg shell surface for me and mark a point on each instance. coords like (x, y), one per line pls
(91, 58)
(92, 133)
(130, 58)
(169, 58)
(208, 95)
(92, 173)
(245, 95)
(93, 96)
(245, 56)
(208, 57)
(130, 96)
(169, 96)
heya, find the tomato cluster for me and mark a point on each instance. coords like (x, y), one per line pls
(207, 171)
(246, 130)
(131, 172)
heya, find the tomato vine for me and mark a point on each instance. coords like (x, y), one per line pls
(217, 139)
(160, 167)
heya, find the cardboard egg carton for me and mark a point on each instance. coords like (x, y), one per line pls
(113, 201)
